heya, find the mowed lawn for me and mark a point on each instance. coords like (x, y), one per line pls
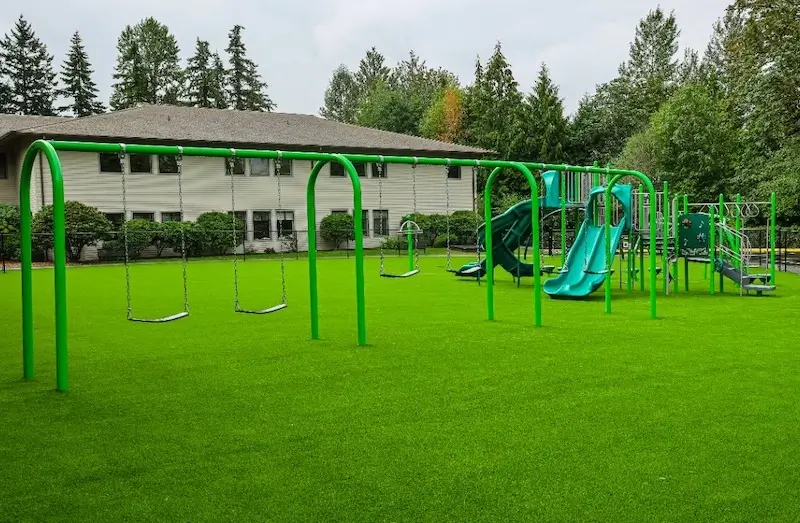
(445, 416)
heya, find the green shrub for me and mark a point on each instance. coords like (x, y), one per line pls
(85, 226)
(9, 228)
(337, 228)
(215, 232)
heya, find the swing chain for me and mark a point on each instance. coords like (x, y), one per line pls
(229, 167)
(122, 166)
(179, 161)
(283, 269)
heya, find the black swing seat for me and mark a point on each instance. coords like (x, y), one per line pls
(404, 275)
(275, 308)
(160, 320)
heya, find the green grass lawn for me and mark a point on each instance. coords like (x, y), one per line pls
(443, 417)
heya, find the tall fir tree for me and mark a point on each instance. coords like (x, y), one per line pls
(148, 66)
(200, 76)
(28, 67)
(341, 97)
(77, 84)
(246, 90)
(372, 70)
(218, 78)
(545, 120)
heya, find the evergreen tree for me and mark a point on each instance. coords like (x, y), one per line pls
(372, 71)
(76, 77)
(200, 76)
(148, 67)
(246, 90)
(217, 87)
(29, 68)
(341, 97)
(545, 121)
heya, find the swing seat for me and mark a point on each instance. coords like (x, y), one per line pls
(160, 320)
(276, 308)
(471, 270)
(404, 275)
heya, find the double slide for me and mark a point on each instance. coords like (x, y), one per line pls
(585, 268)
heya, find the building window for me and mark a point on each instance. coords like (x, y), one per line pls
(238, 166)
(365, 222)
(109, 163)
(380, 222)
(337, 169)
(3, 167)
(242, 215)
(141, 163)
(259, 167)
(171, 217)
(285, 223)
(454, 172)
(262, 225)
(382, 173)
(286, 168)
(149, 216)
(361, 169)
(116, 219)
(167, 165)
(340, 211)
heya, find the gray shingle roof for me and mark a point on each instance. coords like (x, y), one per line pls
(221, 127)
(15, 122)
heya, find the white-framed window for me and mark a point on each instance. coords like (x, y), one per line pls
(365, 222)
(383, 170)
(259, 167)
(109, 163)
(337, 169)
(238, 166)
(167, 164)
(116, 219)
(140, 164)
(262, 225)
(361, 169)
(142, 215)
(454, 172)
(171, 216)
(285, 223)
(380, 222)
(286, 167)
(340, 211)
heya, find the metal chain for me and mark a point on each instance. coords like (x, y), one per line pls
(380, 205)
(280, 207)
(447, 209)
(122, 166)
(179, 161)
(229, 168)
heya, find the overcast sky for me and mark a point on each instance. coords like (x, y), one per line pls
(298, 43)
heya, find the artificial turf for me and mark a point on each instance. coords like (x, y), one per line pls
(443, 417)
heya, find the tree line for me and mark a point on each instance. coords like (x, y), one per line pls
(724, 120)
(148, 69)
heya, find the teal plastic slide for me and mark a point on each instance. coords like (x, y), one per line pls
(512, 229)
(585, 269)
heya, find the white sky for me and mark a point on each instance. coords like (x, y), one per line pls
(298, 44)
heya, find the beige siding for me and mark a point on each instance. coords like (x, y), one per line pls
(207, 188)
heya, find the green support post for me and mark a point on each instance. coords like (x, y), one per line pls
(772, 235)
(675, 246)
(487, 215)
(595, 183)
(641, 244)
(665, 236)
(59, 262)
(564, 177)
(712, 233)
(609, 253)
(739, 231)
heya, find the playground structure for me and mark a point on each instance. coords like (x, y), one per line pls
(586, 267)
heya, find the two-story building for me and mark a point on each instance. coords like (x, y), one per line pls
(152, 190)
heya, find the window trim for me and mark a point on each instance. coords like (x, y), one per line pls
(268, 221)
(138, 173)
(250, 166)
(458, 171)
(158, 164)
(100, 163)
(278, 222)
(152, 213)
(384, 224)
(179, 213)
(365, 223)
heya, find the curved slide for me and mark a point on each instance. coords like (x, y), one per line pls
(585, 270)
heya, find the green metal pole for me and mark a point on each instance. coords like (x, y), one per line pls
(712, 230)
(675, 246)
(772, 235)
(59, 262)
(685, 204)
(535, 241)
(595, 183)
(653, 228)
(641, 244)
(311, 214)
(739, 231)
(564, 177)
(410, 240)
(665, 236)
